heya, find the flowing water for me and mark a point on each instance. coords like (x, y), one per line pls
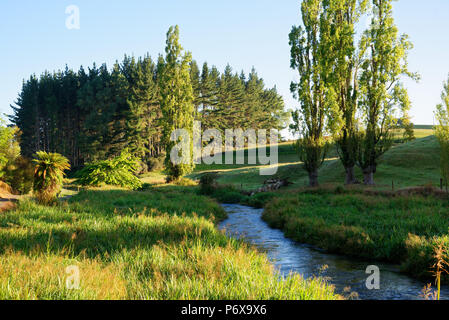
(289, 256)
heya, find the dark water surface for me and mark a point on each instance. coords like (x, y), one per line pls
(289, 256)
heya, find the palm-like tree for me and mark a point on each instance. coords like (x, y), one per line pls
(49, 175)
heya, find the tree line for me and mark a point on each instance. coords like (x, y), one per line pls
(350, 84)
(90, 115)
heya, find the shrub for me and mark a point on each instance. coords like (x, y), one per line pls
(185, 182)
(20, 175)
(208, 183)
(9, 146)
(49, 175)
(228, 194)
(142, 167)
(156, 164)
(145, 187)
(119, 171)
(260, 199)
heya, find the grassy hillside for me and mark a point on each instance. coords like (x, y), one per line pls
(410, 164)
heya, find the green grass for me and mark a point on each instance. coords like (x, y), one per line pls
(372, 226)
(159, 244)
(405, 165)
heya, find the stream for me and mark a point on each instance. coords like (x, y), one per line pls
(289, 256)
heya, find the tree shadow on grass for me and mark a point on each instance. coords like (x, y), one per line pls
(170, 200)
(95, 242)
(101, 222)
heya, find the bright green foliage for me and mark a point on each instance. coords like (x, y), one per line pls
(176, 102)
(20, 175)
(340, 80)
(9, 147)
(309, 56)
(343, 58)
(49, 175)
(408, 127)
(382, 93)
(119, 171)
(442, 131)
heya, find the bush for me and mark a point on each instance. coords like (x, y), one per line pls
(228, 194)
(142, 167)
(185, 182)
(156, 164)
(259, 200)
(9, 146)
(145, 187)
(119, 171)
(208, 183)
(49, 175)
(20, 175)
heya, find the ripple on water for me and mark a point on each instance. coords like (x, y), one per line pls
(289, 256)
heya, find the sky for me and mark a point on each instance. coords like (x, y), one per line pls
(243, 33)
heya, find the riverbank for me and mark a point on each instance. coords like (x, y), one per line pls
(400, 220)
(156, 244)
(402, 229)
(347, 274)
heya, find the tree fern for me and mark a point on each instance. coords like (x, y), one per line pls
(49, 175)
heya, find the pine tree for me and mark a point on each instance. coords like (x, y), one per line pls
(195, 78)
(230, 99)
(26, 117)
(209, 95)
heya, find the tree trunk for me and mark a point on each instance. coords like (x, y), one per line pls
(313, 178)
(368, 176)
(350, 176)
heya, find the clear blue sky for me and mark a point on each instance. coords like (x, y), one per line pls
(243, 33)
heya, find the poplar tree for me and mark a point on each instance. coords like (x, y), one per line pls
(345, 61)
(382, 92)
(176, 102)
(309, 56)
(442, 131)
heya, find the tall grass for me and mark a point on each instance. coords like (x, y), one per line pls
(403, 229)
(158, 244)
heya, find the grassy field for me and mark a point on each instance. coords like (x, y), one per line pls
(405, 165)
(157, 244)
